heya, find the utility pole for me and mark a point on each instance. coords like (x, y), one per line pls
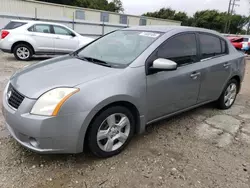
(232, 4)
(248, 27)
(228, 13)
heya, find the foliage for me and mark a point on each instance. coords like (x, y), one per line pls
(210, 19)
(114, 5)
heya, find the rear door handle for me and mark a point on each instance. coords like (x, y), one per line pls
(195, 75)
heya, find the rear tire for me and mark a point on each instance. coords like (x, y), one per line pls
(23, 52)
(228, 95)
(111, 131)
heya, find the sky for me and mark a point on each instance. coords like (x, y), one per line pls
(138, 7)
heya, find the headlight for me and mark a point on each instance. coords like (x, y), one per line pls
(50, 102)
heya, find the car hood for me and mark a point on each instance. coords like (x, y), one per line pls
(65, 71)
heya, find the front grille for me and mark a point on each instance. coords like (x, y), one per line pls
(14, 97)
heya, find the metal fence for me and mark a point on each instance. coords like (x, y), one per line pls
(85, 28)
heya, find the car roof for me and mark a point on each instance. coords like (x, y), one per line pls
(36, 22)
(234, 38)
(167, 28)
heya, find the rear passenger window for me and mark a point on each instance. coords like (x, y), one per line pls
(223, 47)
(211, 46)
(180, 49)
(14, 25)
(40, 28)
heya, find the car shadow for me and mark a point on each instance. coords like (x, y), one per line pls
(35, 58)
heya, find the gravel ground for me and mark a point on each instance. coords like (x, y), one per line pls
(205, 147)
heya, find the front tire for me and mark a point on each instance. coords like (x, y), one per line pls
(228, 95)
(111, 131)
(23, 52)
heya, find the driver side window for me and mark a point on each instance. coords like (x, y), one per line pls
(181, 49)
(62, 31)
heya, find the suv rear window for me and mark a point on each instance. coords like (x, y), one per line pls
(14, 25)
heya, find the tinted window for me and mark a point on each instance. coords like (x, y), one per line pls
(181, 49)
(61, 30)
(40, 28)
(104, 17)
(14, 25)
(223, 47)
(210, 46)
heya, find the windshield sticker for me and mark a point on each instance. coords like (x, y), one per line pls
(150, 34)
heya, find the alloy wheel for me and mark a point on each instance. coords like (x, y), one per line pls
(23, 53)
(113, 132)
(230, 94)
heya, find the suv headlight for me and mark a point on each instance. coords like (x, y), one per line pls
(50, 102)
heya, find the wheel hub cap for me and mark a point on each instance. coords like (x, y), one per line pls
(23, 53)
(230, 94)
(113, 132)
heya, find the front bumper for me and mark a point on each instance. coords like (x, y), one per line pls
(43, 134)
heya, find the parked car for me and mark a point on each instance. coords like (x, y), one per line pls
(241, 43)
(109, 90)
(27, 38)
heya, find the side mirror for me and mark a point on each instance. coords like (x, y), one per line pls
(163, 64)
(72, 34)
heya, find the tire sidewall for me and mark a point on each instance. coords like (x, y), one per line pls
(92, 133)
(22, 45)
(221, 99)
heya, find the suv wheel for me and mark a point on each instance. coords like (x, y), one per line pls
(111, 131)
(228, 95)
(23, 52)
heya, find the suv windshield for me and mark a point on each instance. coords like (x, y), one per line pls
(119, 48)
(14, 25)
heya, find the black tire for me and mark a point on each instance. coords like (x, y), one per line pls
(94, 127)
(28, 47)
(221, 103)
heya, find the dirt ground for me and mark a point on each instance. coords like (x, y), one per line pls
(205, 147)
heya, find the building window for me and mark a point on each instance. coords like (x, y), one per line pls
(80, 14)
(143, 21)
(123, 19)
(104, 17)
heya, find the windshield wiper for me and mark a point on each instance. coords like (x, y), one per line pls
(78, 57)
(97, 61)
(90, 59)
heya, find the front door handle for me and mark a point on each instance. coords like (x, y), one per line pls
(195, 75)
(226, 65)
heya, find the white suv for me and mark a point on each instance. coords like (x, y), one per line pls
(26, 38)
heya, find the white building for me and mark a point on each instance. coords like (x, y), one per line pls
(84, 21)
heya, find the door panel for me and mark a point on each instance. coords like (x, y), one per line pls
(216, 68)
(43, 37)
(171, 91)
(64, 41)
(215, 73)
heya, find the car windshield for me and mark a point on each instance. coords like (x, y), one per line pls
(119, 48)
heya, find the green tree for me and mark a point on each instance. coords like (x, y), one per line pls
(114, 6)
(210, 19)
(163, 13)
